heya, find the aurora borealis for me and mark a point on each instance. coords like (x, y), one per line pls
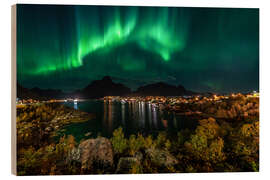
(204, 49)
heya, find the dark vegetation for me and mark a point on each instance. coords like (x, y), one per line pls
(216, 145)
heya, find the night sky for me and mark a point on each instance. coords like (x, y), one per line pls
(203, 49)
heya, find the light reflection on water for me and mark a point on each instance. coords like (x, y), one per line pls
(133, 116)
(75, 105)
(133, 112)
(123, 113)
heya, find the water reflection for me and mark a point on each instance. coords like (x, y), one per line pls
(123, 113)
(164, 122)
(149, 114)
(132, 116)
(154, 111)
(108, 115)
(142, 114)
(75, 105)
(174, 121)
(137, 114)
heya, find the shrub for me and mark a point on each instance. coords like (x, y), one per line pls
(255, 166)
(208, 127)
(149, 142)
(215, 151)
(118, 140)
(197, 145)
(203, 151)
(205, 145)
(250, 130)
(246, 140)
(167, 145)
(180, 138)
(161, 140)
(135, 169)
(140, 140)
(190, 169)
(49, 159)
(134, 144)
(29, 162)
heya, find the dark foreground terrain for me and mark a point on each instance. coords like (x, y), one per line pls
(225, 140)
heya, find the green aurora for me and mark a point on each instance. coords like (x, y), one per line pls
(204, 49)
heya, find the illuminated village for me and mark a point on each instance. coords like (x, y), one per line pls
(186, 105)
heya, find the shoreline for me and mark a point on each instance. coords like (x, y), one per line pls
(45, 120)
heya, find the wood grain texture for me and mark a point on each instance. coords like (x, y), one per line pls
(13, 89)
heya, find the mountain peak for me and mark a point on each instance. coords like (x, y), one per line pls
(105, 87)
(161, 89)
(107, 79)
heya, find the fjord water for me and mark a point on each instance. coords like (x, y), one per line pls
(134, 117)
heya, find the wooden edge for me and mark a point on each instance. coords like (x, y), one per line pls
(13, 89)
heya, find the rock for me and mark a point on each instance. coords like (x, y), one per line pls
(139, 156)
(233, 111)
(48, 128)
(127, 165)
(249, 105)
(161, 158)
(98, 151)
(238, 108)
(230, 114)
(87, 134)
(244, 108)
(74, 155)
(211, 110)
(221, 113)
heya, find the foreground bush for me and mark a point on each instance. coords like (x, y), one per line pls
(51, 159)
(212, 147)
(206, 145)
(119, 142)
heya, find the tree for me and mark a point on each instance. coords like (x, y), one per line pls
(118, 140)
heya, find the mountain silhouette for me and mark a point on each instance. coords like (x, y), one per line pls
(104, 87)
(38, 94)
(101, 88)
(162, 89)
